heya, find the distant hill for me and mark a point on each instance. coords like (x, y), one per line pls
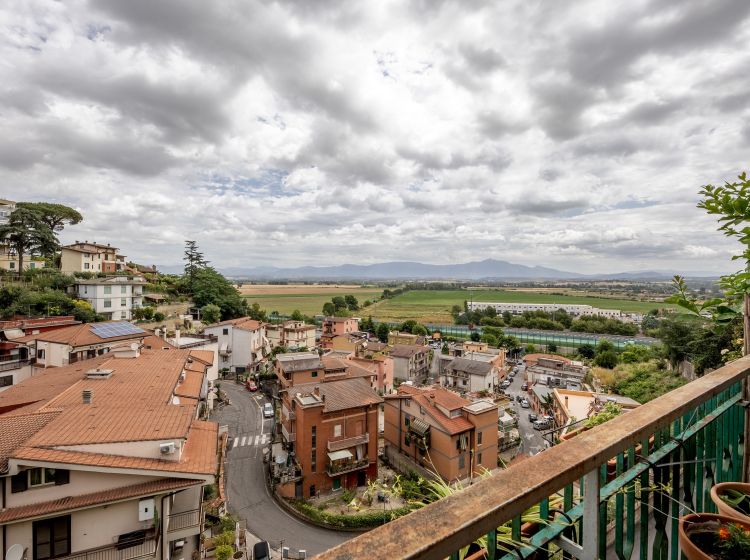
(488, 269)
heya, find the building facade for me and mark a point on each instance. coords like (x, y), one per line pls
(337, 326)
(441, 431)
(410, 362)
(576, 310)
(114, 297)
(243, 344)
(91, 257)
(293, 335)
(467, 375)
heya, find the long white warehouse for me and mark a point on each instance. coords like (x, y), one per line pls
(572, 308)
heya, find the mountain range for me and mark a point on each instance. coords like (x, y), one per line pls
(488, 269)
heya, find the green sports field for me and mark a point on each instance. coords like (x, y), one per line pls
(433, 306)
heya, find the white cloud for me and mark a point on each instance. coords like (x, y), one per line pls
(294, 133)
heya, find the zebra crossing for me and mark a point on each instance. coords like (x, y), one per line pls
(254, 441)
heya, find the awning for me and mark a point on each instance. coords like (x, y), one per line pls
(338, 455)
(419, 427)
(223, 348)
(12, 334)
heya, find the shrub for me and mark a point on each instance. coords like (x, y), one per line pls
(224, 552)
(360, 521)
(159, 316)
(224, 539)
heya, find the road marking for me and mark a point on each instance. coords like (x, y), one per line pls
(243, 440)
(257, 438)
(236, 441)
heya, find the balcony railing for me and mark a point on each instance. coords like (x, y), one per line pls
(9, 365)
(142, 549)
(343, 443)
(289, 437)
(337, 468)
(631, 478)
(184, 520)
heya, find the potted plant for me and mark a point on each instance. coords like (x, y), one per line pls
(711, 536)
(732, 499)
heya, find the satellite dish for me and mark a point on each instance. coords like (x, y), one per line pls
(15, 552)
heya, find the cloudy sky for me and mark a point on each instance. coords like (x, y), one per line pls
(567, 134)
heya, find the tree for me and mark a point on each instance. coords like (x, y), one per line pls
(419, 330)
(26, 233)
(148, 313)
(210, 313)
(194, 261)
(587, 351)
(338, 302)
(351, 303)
(254, 312)
(159, 316)
(552, 347)
(490, 339)
(329, 309)
(56, 216)
(382, 331)
(211, 287)
(408, 326)
(297, 315)
(367, 325)
(606, 359)
(474, 336)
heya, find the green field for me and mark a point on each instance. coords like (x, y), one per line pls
(433, 306)
(308, 304)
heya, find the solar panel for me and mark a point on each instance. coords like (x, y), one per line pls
(111, 330)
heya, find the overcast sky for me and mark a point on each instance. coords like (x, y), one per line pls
(567, 134)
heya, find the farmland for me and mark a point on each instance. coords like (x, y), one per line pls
(428, 306)
(309, 299)
(433, 306)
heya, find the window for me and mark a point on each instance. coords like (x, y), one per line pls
(107, 289)
(315, 374)
(313, 461)
(6, 381)
(407, 402)
(312, 490)
(314, 438)
(407, 440)
(123, 289)
(40, 354)
(107, 303)
(464, 381)
(123, 302)
(421, 410)
(12, 265)
(406, 420)
(479, 458)
(461, 461)
(337, 430)
(44, 477)
(51, 538)
(479, 438)
(32, 265)
(225, 331)
(85, 266)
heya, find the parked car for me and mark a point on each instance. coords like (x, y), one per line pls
(251, 386)
(542, 425)
(505, 384)
(268, 410)
(261, 551)
(519, 398)
(532, 417)
(524, 403)
(512, 373)
(525, 387)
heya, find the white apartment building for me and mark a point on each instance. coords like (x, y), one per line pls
(474, 374)
(291, 334)
(571, 308)
(113, 297)
(90, 257)
(107, 461)
(243, 344)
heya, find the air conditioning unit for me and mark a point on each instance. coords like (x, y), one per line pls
(167, 448)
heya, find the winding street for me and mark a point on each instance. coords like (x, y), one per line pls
(247, 494)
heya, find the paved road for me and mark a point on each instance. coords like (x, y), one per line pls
(247, 493)
(531, 439)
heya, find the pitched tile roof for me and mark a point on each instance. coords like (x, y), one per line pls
(341, 394)
(472, 367)
(16, 429)
(43, 509)
(205, 356)
(449, 400)
(77, 335)
(191, 386)
(244, 323)
(406, 350)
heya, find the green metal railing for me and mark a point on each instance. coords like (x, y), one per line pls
(617, 490)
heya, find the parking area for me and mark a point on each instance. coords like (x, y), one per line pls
(532, 441)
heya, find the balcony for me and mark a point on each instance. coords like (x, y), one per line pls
(338, 467)
(134, 549)
(289, 436)
(616, 490)
(11, 365)
(184, 520)
(343, 443)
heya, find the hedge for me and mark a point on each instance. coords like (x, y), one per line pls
(359, 521)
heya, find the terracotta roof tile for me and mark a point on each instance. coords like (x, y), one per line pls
(446, 399)
(43, 509)
(341, 394)
(244, 323)
(77, 335)
(205, 356)
(191, 386)
(16, 429)
(406, 350)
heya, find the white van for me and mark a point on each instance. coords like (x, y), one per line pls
(268, 410)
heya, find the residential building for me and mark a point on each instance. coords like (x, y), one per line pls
(553, 370)
(470, 375)
(571, 406)
(114, 297)
(6, 208)
(396, 337)
(243, 345)
(91, 257)
(204, 347)
(372, 355)
(15, 364)
(441, 431)
(410, 362)
(18, 327)
(576, 310)
(293, 335)
(337, 326)
(76, 343)
(9, 260)
(346, 342)
(329, 423)
(107, 458)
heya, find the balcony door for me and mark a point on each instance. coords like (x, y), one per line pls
(52, 538)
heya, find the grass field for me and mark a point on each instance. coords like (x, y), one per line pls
(309, 302)
(433, 306)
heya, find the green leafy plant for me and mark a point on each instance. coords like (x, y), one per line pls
(224, 552)
(609, 411)
(736, 499)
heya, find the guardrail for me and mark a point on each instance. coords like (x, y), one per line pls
(343, 443)
(634, 476)
(350, 466)
(142, 549)
(184, 519)
(11, 365)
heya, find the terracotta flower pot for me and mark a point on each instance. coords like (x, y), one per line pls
(724, 508)
(689, 549)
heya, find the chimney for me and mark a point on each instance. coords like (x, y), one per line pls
(316, 391)
(88, 396)
(177, 337)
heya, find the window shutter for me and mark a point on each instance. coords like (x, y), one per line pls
(62, 476)
(19, 482)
